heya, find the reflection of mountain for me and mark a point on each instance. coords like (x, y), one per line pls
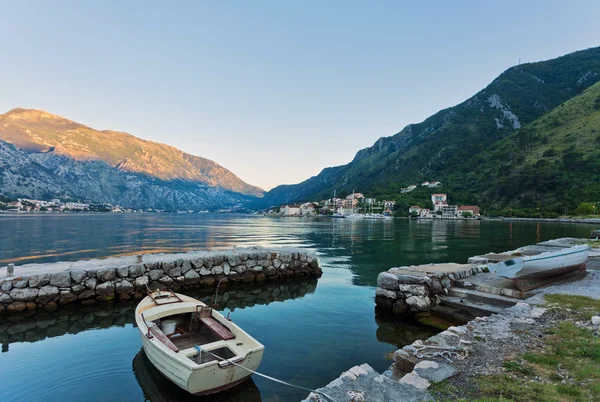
(76, 318)
(157, 388)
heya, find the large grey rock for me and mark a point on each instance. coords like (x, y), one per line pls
(234, 259)
(123, 271)
(265, 263)
(106, 274)
(175, 272)
(66, 297)
(217, 270)
(78, 288)
(226, 268)
(217, 260)
(35, 282)
(414, 279)
(257, 268)
(205, 271)
(155, 274)
(285, 257)
(24, 295)
(240, 269)
(135, 271)
(277, 263)
(434, 371)
(417, 303)
(191, 274)
(78, 276)
(124, 287)
(415, 380)
(388, 281)
(197, 263)
(5, 298)
(91, 283)
(20, 283)
(596, 320)
(186, 266)
(105, 289)
(141, 282)
(167, 281)
(250, 263)
(417, 290)
(385, 293)
(60, 279)
(46, 294)
(6, 286)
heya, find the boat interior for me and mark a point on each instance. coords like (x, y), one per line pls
(183, 328)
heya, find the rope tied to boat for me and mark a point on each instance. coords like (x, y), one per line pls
(200, 350)
(446, 352)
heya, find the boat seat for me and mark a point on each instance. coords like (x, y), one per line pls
(158, 334)
(217, 328)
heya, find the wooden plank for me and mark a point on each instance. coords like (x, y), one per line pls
(216, 327)
(158, 334)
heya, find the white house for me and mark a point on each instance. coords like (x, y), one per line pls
(308, 209)
(414, 208)
(449, 211)
(434, 184)
(425, 212)
(290, 210)
(389, 204)
(425, 184)
(474, 210)
(438, 201)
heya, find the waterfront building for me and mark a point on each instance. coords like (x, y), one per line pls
(474, 210)
(290, 210)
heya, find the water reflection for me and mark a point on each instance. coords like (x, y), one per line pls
(73, 319)
(157, 388)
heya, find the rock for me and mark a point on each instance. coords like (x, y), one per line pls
(106, 274)
(277, 263)
(123, 271)
(66, 297)
(270, 271)
(6, 286)
(135, 271)
(78, 276)
(34, 281)
(414, 279)
(155, 274)
(186, 266)
(141, 282)
(217, 270)
(234, 260)
(166, 266)
(217, 260)
(433, 371)
(105, 289)
(90, 274)
(24, 295)
(87, 294)
(51, 306)
(265, 263)
(417, 303)
(61, 279)
(399, 307)
(285, 257)
(175, 272)
(77, 289)
(250, 263)
(191, 275)
(16, 307)
(390, 294)
(91, 283)
(167, 281)
(205, 271)
(457, 330)
(207, 262)
(446, 283)
(226, 268)
(468, 285)
(415, 380)
(124, 287)
(240, 269)
(197, 263)
(596, 320)
(356, 396)
(387, 281)
(20, 283)
(257, 268)
(417, 290)
(5, 298)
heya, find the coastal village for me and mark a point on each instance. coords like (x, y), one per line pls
(358, 205)
(58, 205)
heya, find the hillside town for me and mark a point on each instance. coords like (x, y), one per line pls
(57, 205)
(441, 209)
(354, 205)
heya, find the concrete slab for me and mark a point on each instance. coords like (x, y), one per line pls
(490, 283)
(447, 268)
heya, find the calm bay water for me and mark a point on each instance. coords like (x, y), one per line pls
(312, 330)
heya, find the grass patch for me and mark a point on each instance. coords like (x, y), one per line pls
(567, 368)
(584, 307)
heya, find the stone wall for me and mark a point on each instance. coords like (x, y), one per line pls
(86, 282)
(411, 290)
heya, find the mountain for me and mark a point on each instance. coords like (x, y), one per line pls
(442, 146)
(43, 155)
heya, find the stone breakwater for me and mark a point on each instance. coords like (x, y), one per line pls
(417, 289)
(47, 286)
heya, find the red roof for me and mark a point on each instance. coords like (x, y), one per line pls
(415, 206)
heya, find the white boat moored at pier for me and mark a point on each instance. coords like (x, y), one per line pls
(193, 345)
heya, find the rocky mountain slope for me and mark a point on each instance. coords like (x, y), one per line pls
(44, 156)
(441, 147)
(36, 131)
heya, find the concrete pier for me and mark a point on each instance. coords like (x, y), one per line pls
(48, 286)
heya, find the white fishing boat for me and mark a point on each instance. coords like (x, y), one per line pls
(533, 271)
(193, 345)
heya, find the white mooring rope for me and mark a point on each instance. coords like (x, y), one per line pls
(199, 349)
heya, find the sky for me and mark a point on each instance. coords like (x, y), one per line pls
(275, 91)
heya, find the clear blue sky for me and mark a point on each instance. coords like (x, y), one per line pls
(273, 90)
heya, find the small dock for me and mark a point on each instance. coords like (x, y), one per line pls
(461, 292)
